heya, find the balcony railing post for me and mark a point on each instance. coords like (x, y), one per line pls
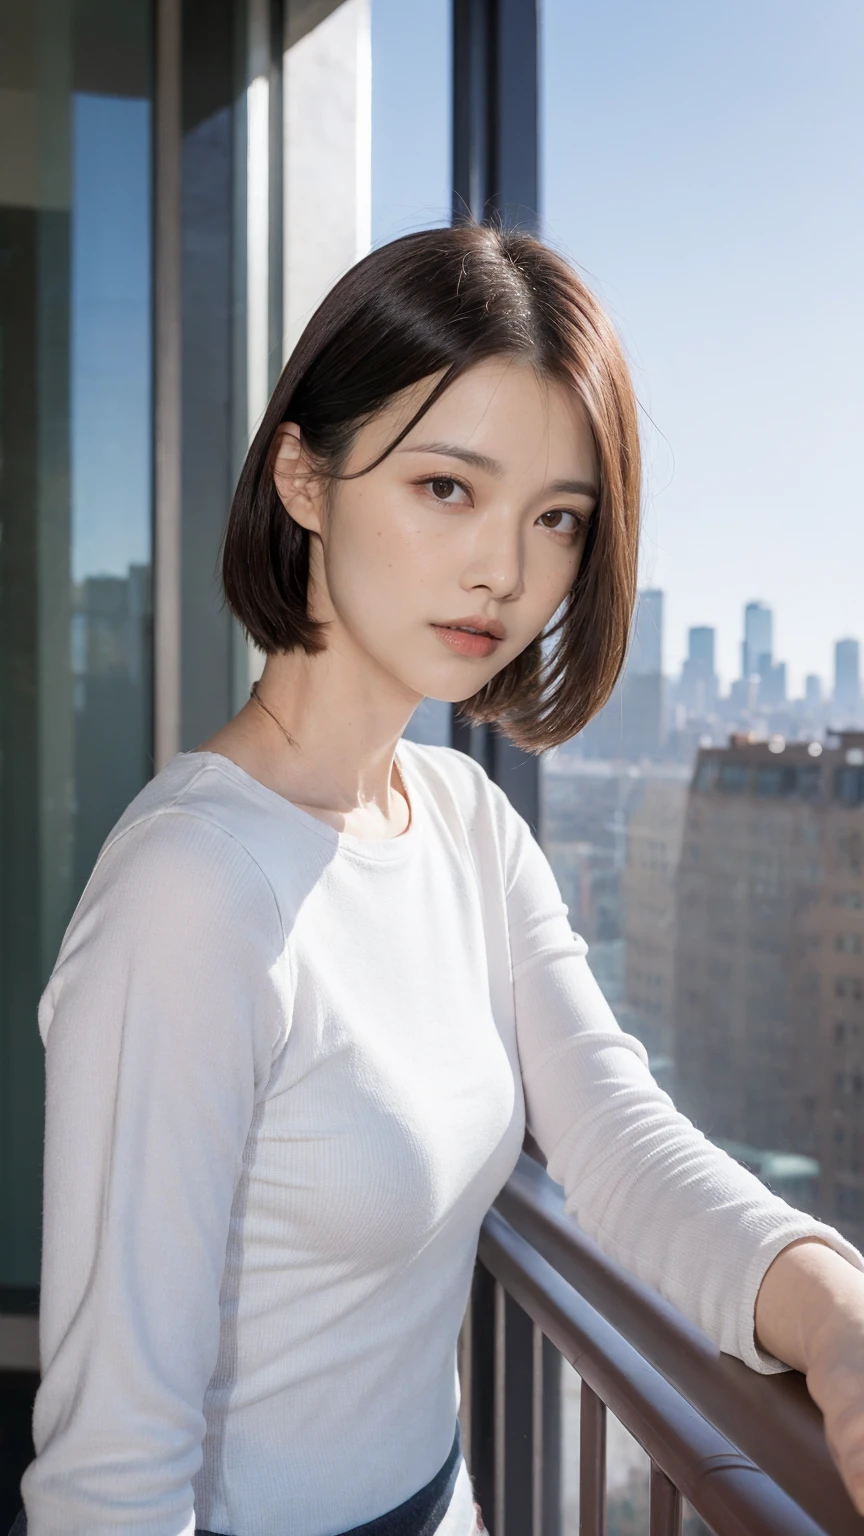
(665, 1505)
(592, 1464)
(550, 1471)
(519, 1397)
(481, 1387)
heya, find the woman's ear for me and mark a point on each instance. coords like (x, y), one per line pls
(297, 485)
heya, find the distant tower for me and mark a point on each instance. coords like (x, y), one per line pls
(698, 678)
(812, 691)
(632, 725)
(646, 647)
(758, 639)
(847, 680)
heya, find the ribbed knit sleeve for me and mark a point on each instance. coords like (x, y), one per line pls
(638, 1176)
(161, 1022)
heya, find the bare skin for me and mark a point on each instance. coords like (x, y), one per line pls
(810, 1313)
(434, 536)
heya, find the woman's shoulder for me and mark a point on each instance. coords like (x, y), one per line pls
(446, 771)
(458, 782)
(199, 799)
(188, 843)
(176, 880)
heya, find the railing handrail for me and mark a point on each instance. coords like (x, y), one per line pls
(771, 1419)
(732, 1495)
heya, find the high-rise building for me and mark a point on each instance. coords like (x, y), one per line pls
(632, 725)
(645, 658)
(654, 825)
(847, 681)
(769, 986)
(772, 681)
(700, 642)
(812, 691)
(698, 687)
(758, 638)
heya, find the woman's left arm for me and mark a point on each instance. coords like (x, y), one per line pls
(657, 1196)
(810, 1313)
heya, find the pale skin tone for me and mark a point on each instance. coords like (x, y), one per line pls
(482, 509)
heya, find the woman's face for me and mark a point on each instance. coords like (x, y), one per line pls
(478, 516)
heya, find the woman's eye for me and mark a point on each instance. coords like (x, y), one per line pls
(443, 487)
(575, 526)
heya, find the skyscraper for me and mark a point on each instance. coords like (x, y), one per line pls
(698, 692)
(847, 681)
(758, 638)
(631, 725)
(772, 681)
(769, 958)
(646, 646)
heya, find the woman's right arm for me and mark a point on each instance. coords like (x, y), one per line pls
(160, 1023)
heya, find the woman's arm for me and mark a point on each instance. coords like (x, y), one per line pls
(637, 1174)
(810, 1313)
(159, 1022)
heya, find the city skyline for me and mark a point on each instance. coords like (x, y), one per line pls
(755, 639)
(706, 191)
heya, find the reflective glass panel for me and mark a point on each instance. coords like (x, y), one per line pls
(75, 493)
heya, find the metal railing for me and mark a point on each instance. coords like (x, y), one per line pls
(746, 1451)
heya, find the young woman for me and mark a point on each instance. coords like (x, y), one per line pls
(322, 976)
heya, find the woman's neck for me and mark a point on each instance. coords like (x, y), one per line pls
(325, 741)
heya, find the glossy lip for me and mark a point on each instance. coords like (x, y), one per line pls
(479, 621)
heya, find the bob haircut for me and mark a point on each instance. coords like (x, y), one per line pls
(436, 303)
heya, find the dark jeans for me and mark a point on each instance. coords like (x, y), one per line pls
(420, 1515)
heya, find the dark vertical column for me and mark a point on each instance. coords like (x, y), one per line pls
(276, 199)
(167, 381)
(474, 23)
(551, 1469)
(495, 175)
(515, 183)
(208, 236)
(482, 1386)
(666, 1506)
(592, 1464)
(518, 1469)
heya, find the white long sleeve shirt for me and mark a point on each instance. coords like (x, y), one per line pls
(288, 1072)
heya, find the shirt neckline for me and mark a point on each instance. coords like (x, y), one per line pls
(378, 850)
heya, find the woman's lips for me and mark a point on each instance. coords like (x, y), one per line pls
(465, 643)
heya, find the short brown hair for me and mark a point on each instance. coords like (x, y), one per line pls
(431, 303)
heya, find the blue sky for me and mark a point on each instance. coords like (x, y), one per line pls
(702, 166)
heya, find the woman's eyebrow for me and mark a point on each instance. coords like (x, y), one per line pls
(453, 451)
(572, 488)
(493, 467)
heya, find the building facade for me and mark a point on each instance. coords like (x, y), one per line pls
(655, 826)
(769, 970)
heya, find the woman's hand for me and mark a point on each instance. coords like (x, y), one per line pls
(810, 1314)
(835, 1380)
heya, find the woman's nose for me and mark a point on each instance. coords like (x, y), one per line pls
(496, 560)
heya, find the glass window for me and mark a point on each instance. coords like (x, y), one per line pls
(706, 189)
(75, 507)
